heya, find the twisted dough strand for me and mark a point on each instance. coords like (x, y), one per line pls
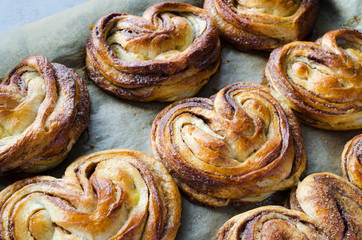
(113, 194)
(43, 110)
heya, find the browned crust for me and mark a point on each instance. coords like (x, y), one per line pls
(155, 79)
(92, 198)
(248, 30)
(342, 110)
(324, 205)
(217, 185)
(58, 124)
(352, 161)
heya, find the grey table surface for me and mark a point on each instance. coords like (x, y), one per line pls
(15, 13)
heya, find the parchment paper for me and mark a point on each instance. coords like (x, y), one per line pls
(116, 123)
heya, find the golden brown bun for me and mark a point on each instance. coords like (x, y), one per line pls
(44, 108)
(239, 145)
(263, 24)
(321, 81)
(325, 207)
(352, 161)
(113, 194)
(167, 54)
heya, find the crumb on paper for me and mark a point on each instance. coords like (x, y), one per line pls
(352, 23)
(265, 81)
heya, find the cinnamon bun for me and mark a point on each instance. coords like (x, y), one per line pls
(352, 161)
(239, 145)
(113, 194)
(321, 81)
(263, 24)
(325, 206)
(44, 107)
(167, 54)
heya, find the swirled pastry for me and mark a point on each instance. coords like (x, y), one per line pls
(352, 161)
(240, 145)
(321, 81)
(167, 54)
(263, 24)
(325, 206)
(113, 194)
(272, 223)
(44, 108)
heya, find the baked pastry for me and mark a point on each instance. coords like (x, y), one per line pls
(44, 107)
(321, 81)
(113, 194)
(167, 54)
(352, 161)
(263, 24)
(240, 145)
(325, 206)
(270, 222)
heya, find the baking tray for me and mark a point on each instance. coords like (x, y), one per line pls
(116, 123)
